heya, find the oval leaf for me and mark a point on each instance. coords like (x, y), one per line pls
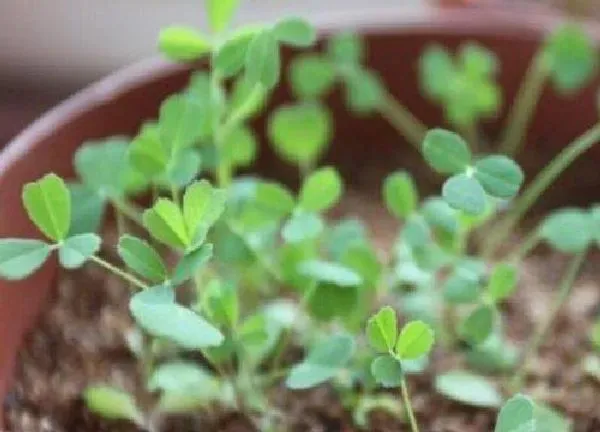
(295, 32)
(500, 176)
(76, 250)
(263, 62)
(321, 190)
(568, 230)
(446, 152)
(415, 340)
(478, 325)
(311, 76)
(112, 403)
(165, 222)
(140, 257)
(400, 194)
(19, 258)
(517, 415)
(328, 272)
(183, 43)
(382, 330)
(503, 282)
(387, 371)
(468, 389)
(463, 192)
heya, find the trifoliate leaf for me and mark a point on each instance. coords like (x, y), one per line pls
(295, 32)
(263, 62)
(387, 371)
(165, 222)
(469, 389)
(503, 282)
(220, 13)
(112, 403)
(463, 192)
(19, 258)
(311, 76)
(48, 205)
(568, 230)
(571, 57)
(400, 194)
(321, 190)
(76, 250)
(140, 257)
(182, 43)
(324, 360)
(478, 325)
(500, 176)
(346, 49)
(382, 330)
(415, 340)
(329, 272)
(446, 152)
(300, 133)
(172, 321)
(191, 263)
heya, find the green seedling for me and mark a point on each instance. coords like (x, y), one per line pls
(238, 283)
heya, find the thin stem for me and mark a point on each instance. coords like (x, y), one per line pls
(175, 194)
(406, 399)
(526, 246)
(538, 186)
(469, 132)
(286, 337)
(128, 210)
(403, 121)
(124, 275)
(542, 328)
(523, 108)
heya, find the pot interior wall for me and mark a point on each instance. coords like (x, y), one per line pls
(364, 148)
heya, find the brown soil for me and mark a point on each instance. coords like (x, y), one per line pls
(80, 340)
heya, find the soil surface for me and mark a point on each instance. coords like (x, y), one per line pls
(80, 340)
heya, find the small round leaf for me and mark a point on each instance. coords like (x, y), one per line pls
(400, 194)
(568, 230)
(468, 389)
(183, 43)
(382, 330)
(415, 340)
(295, 32)
(500, 176)
(463, 192)
(321, 190)
(387, 371)
(446, 152)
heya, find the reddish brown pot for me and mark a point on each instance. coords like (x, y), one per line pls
(120, 103)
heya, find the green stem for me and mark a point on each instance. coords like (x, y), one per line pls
(286, 337)
(526, 246)
(124, 275)
(128, 210)
(542, 328)
(538, 186)
(403, 121)
(523, 108)
(408, 406)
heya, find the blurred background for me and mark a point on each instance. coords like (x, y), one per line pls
(51, 48)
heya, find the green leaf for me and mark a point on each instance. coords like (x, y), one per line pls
(140, 257)
(503, 282)
(221, 304)
(364, 90)
(300, 133)
(478, 325)
(446, 152)
(87, 209)
(112, 403)
(147, 153)
(416, 232)
(387, 371)
(253, 331)
(263, 61)
(323, 362)
(48, 205)
(203, 205)
(548, 419)
(571, 57)
(182, 43)
(346, 49)
(415, 340)
(462, 286)
(246, 99)
(231, 56)
(239, 147)
(182, 170)
(220, 13)
(321, 190)
(295, 32)
(463, 192)
(165, 222)
(500, 176)
(436, 70)
(169, 320)
(494, 355)
(439, 214)
(302, 226)
(181, 377)
(516, 415)
(382, 330)
(332, 301)
(76, 250)
(19, 258)
(311, 76)
(329, 272)
(117, 181)
(183, 120)
(591, 366)
(400, 194)
(468, 389)
(345, 234)
(191, 263)
(568, 230)
(363, 259)
(477, 61)
(274, 198)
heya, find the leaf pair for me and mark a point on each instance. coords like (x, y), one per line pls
(48, 205)
(186, 228)
(496, 175)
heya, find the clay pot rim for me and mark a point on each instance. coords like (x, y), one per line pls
(508, 23)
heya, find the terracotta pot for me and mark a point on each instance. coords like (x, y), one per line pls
(120, 103)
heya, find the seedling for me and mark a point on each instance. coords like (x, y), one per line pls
(275, 292)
